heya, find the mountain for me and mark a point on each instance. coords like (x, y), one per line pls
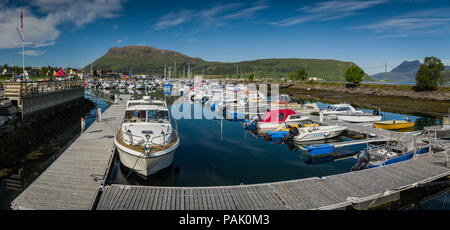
(150, 60)
(407, 67)
(405, 72)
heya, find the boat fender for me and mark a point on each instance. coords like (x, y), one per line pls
(363, 161)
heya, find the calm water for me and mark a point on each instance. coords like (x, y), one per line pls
(222, 152)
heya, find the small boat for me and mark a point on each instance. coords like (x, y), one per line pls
(394, 124)
(310, 108)
(359, 118)
(339, 109)
(315, 133)
(392, 152)
(283, 130)
(272, 119)
(442, 132)
(146, 141)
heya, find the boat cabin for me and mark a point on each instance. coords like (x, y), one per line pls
(148, 114)
(341, 108)
(281, 115)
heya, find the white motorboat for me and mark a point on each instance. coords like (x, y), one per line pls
(359, 118)
(308, 109)
(146, 141)
(140, 85)
(339, 109)
(272, 119)
(131, 86)
(315, 133)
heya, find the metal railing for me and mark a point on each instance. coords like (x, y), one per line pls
(19, 89)
(142, 141)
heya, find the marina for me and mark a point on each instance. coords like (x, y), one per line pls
(90, 174)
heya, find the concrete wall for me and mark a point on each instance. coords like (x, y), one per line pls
(39, 102)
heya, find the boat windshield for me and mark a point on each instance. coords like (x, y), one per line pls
(153, 116)
(332, 108)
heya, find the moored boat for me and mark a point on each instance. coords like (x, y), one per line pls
(314, 133)
(394, 124)
(146, 141)
(272, 119)
(359, 118)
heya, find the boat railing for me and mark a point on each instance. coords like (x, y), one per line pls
(140, 140)
(165, 140)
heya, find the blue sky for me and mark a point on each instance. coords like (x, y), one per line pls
(367, 32)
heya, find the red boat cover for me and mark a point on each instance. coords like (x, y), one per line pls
(60, 73)
(277, 115)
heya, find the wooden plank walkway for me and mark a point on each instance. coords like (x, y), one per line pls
(67, 182)
(360, 189)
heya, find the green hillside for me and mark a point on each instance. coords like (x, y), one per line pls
(149, 60)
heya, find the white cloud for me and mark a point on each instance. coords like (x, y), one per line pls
(424, 22)
(41, 19)
(215, 16)
(329, 10)
(33, 52)
(174, 19)
(340, 6)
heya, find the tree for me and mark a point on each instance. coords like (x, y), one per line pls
(251, 77)
(299, 75)
(429, 74)
(43, 71)
(445, 77)
(354, 74)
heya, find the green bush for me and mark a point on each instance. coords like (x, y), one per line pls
(354, 74)
(430, 74)
(299, 75)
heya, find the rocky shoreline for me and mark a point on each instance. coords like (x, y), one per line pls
(374, 90)
(394, 104)
(20, 138)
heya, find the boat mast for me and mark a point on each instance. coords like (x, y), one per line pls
(21, 35)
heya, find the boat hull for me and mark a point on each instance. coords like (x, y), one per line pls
(145, 165)
(394, 126)
(358, 118)
(319, 136)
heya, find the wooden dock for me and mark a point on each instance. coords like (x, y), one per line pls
(68, 183)
(76, 181)
(360, 190)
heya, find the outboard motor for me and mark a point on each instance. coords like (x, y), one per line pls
(251, 125)
(363, 161)
(293, 131)
(204, 99)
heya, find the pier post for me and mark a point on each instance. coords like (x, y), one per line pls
(83, 125)
(99, 114)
